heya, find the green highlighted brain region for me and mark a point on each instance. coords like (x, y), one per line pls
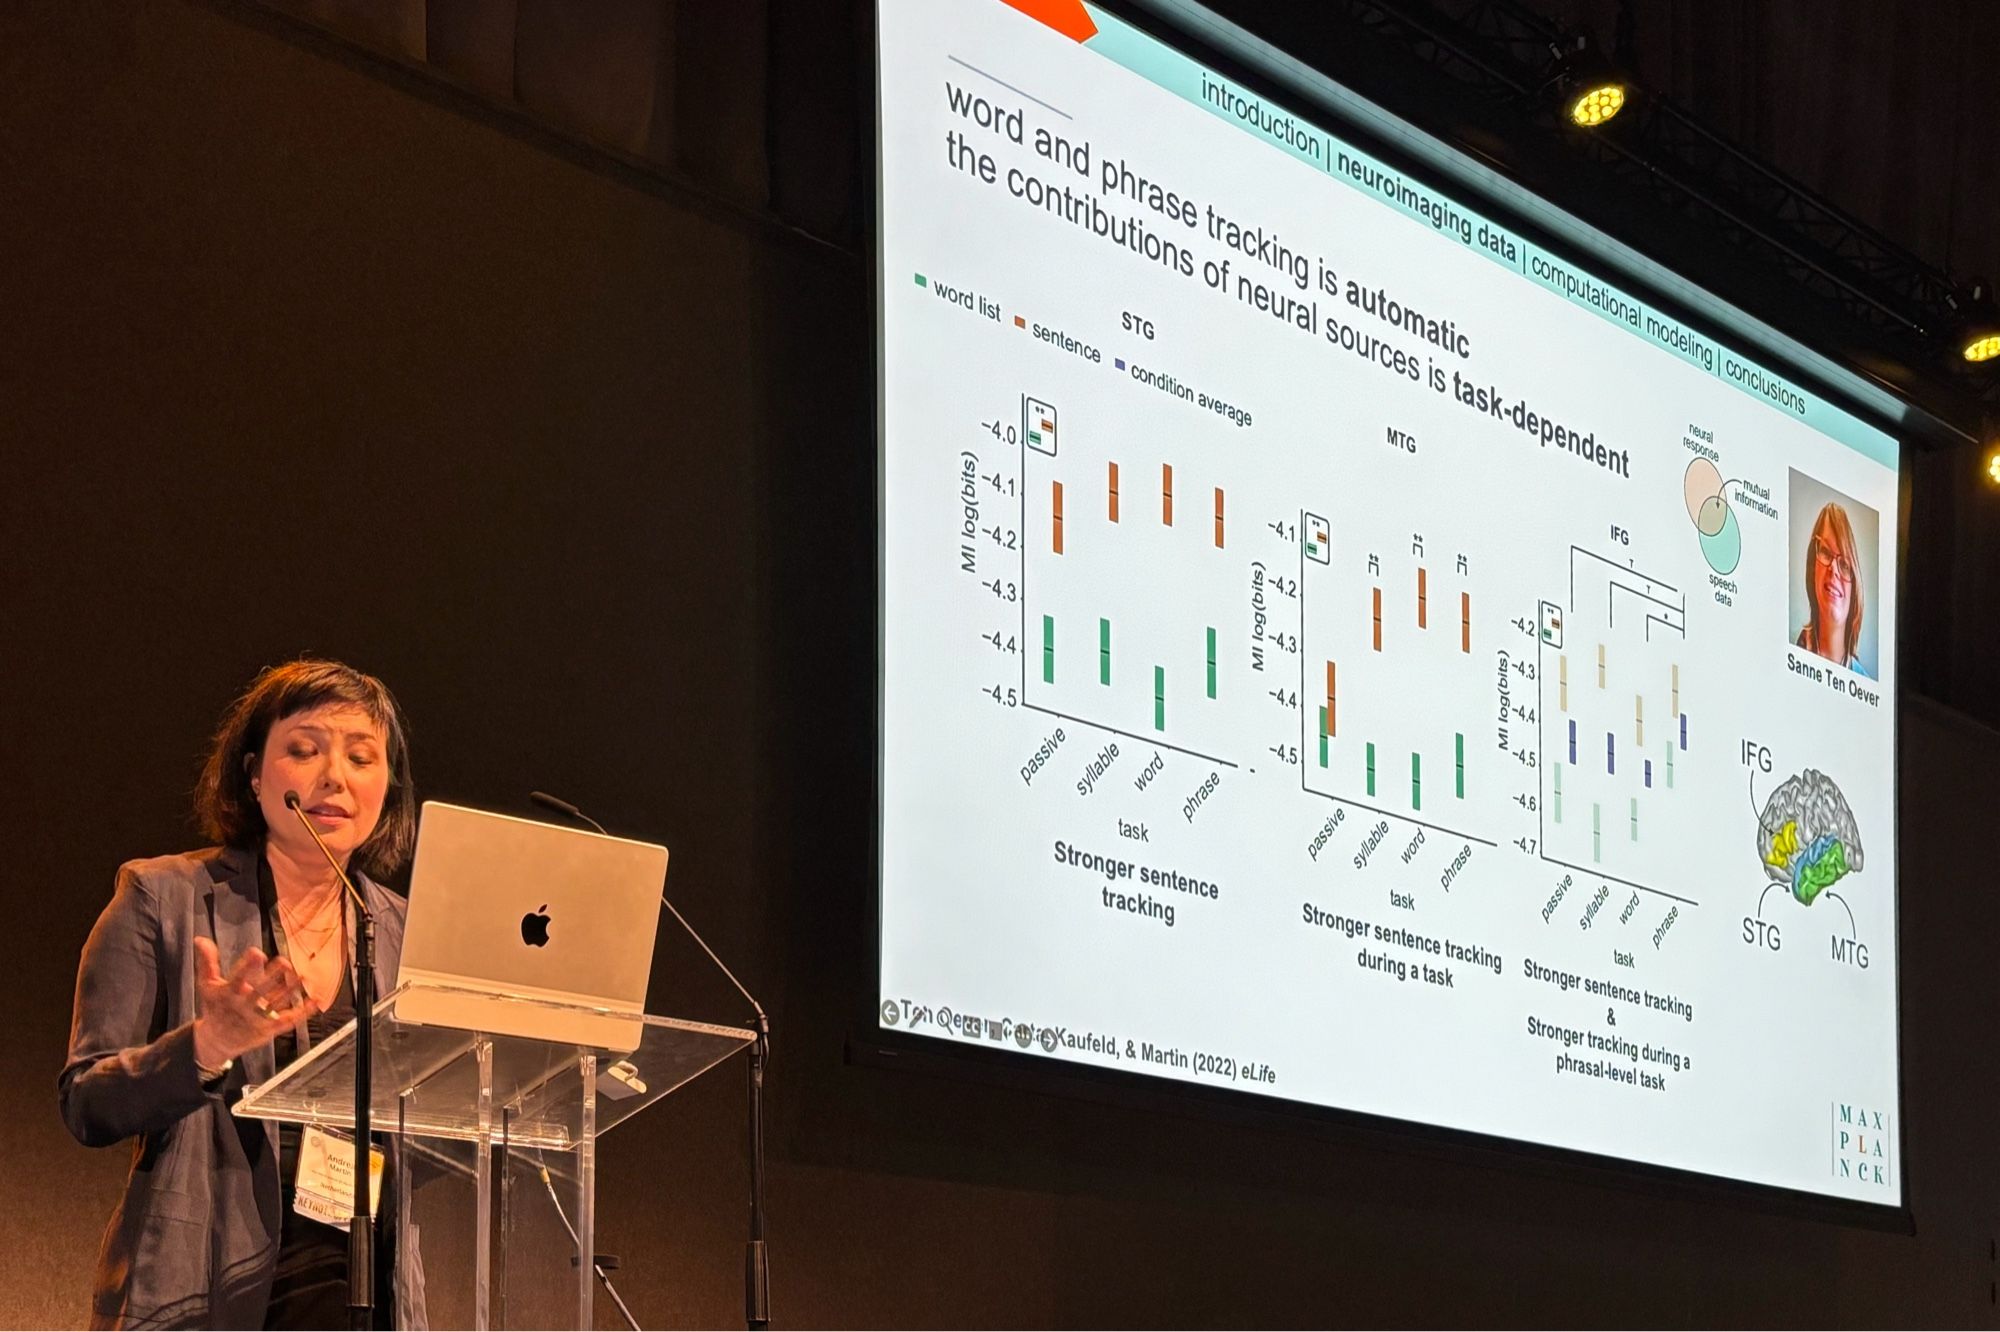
(1806, 835)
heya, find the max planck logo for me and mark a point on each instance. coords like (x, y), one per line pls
(1862, 1144)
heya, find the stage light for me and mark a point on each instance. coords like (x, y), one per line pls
(1975, 324)
(1993, 465)
(1592, 90)
(1593, 106)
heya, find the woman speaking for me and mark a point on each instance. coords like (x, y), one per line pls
(212, 970)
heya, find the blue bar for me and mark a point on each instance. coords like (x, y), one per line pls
(1684, 745)
(1610, 766)
(1649, 772)
(1572, 742)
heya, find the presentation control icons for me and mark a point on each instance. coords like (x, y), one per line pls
(1038, 425)
(1715, 521)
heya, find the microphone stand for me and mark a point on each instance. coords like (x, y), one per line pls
(756, 1261)
(360, 1227)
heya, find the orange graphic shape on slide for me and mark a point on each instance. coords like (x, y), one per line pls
(1067, 17)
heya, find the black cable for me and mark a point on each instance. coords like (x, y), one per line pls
(576, 1243)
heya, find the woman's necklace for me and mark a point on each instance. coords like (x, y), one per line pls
(324, 933)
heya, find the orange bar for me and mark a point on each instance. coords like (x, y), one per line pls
(1464, 623)
(1329, 698)
(1114, 490)
(1378, 619)
(1423, 598)
(1055, 498)
(1218, 517)
(1167, 493)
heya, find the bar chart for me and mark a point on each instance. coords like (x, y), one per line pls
(1131, 602)
(1611, 658)
(1388, 627)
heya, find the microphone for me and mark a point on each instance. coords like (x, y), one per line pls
(561, 806)
(756, 1263)
(360, 1230)
(293, 804)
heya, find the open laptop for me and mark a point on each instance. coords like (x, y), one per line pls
(503, 907)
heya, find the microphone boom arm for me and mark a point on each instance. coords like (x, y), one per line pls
(756, 1263)
(361, 1228)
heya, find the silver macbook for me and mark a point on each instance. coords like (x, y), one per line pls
(503, 907)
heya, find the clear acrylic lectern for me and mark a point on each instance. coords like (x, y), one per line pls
(495, 1129)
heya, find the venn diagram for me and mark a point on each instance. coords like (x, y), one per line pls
(1714, 520)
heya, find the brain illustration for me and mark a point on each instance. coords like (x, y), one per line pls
(1806, 835)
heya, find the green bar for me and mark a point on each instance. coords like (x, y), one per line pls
(1635, 819)
(1559, 792)
(1159, 708)
(1211, 664)
(1322, 735)
(921, 283)
(1461, 765)
(1048, 659)
(1596, 841)
(1416, 789)
(1104, 652)
(1670, 763)
(1371, 767)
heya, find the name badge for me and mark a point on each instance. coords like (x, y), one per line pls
(324, 1187)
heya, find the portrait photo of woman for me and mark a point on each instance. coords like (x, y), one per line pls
(1834, 572)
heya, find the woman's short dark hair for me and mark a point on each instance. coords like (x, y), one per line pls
(226, 806)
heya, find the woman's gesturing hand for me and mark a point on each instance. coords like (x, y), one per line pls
(258, 999)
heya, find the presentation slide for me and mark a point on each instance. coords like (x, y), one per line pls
(1338, 649)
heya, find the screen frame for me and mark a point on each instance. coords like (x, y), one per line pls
(872, 1046)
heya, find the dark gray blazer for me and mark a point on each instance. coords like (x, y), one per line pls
(195, 1241)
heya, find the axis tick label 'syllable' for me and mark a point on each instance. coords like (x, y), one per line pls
(1167, 590)
(1372, 652)
(1616, 606)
